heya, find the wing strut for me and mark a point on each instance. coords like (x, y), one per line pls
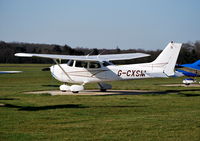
(62, 69)
(100, 53)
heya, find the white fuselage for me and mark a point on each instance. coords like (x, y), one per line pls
(108, 73)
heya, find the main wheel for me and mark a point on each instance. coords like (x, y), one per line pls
(75, 91)
(103, 90)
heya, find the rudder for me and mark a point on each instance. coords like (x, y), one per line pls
(168, 57)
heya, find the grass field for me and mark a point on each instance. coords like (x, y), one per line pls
(171, 114)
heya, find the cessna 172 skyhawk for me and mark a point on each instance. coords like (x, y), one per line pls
(98, 68)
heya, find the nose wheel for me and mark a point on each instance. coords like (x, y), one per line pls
(64, 88)
(72, 88)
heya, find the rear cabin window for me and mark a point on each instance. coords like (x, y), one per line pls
(81, 64)
(94, 65)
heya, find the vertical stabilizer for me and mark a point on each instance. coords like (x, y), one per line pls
(168, 57)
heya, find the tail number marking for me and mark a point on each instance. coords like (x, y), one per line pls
(132, 73)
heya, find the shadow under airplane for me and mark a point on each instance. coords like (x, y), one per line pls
(39, 108)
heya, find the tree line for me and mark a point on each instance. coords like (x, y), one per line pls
(190, 52)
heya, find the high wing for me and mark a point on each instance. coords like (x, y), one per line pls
(109, 57)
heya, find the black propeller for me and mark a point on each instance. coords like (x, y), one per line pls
(46, 69)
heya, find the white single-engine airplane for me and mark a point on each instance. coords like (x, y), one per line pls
(98, 68)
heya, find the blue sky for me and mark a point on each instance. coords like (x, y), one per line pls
(146, 24)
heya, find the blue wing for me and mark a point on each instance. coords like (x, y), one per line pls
(191, 70)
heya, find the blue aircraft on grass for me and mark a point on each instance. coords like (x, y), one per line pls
(190, 70)
(9, 72)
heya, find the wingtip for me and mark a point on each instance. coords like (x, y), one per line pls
(23, 55)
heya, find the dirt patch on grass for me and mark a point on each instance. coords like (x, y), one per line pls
(94, 92)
